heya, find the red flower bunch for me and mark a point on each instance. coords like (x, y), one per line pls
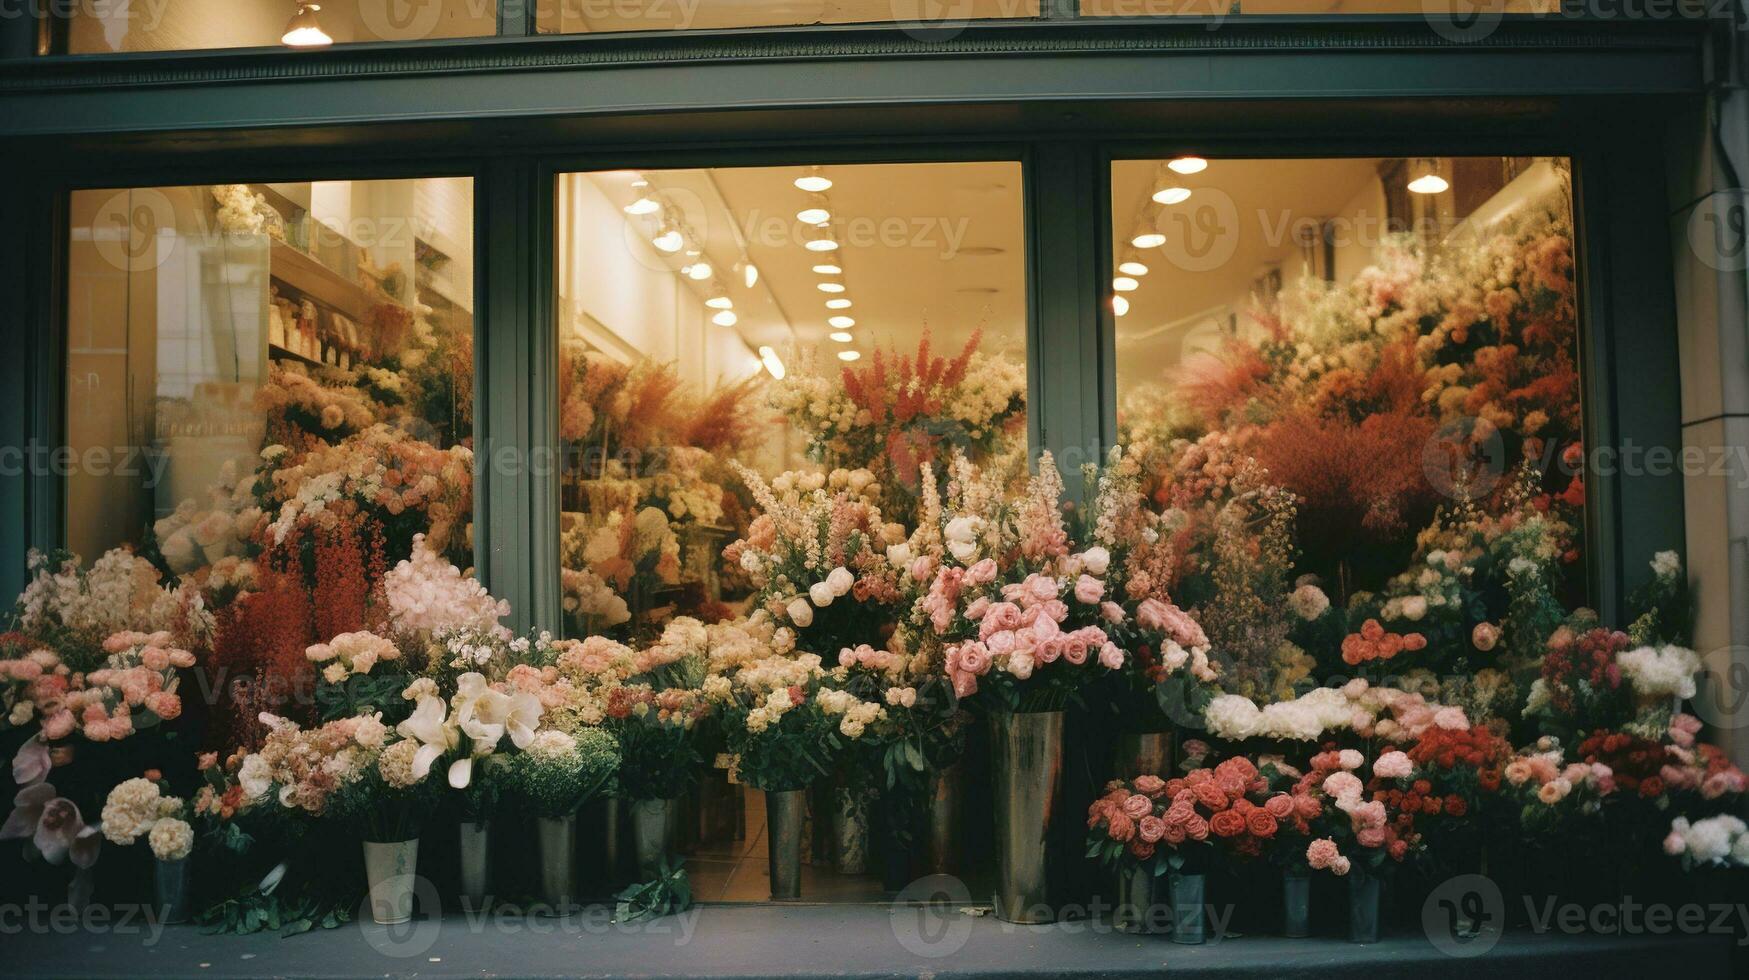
(1452, 751)
(1374, 642)
(1635, 764)
(1581, 673)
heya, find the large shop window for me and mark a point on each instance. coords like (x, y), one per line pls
(269, 394)
(1392, 342)
(851, 326)
(187, 25)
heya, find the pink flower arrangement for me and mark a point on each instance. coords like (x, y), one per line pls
(136, 688)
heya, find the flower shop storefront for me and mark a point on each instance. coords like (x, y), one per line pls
(1169, 482)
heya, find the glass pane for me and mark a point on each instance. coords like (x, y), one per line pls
(269, 391)
(1394, 342)
(717, 314)
(603, 16)
(188, 25)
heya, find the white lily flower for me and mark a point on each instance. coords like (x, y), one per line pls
(429, 725)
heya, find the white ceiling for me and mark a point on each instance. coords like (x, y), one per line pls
(934, 245)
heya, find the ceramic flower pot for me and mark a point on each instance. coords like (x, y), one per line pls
(1363, 908)
(785, 811)
(652, 824)
(476, 859)
(557, 837)
(1026, 756)
(170, 890)
(391, 871)
(1138, 911)
(1296, 905)
(1187, 907)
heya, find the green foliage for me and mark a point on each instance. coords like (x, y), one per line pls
(669, 893)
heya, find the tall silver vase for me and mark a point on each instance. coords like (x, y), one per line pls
(1026, 756)
(558, 861)
(652, 833)
(849, 832)
(476, 859)
(1143, 754)
(1138, 910)
(390, 872)
(784, 813)
(170, 890)
(944, 820)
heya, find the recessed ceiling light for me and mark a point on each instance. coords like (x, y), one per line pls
(669, 240)
(813, 216)
(1427, 179)
(822, 244)
(720, 301)
(773, 364)
(725, 318)
(814, 182)
(1188, 165)
(644, 205)
(1124, 284)
(841, 322)
(1132, 269)
(831, 287)
(842, 336)
(698, 270)
(828, 269)
(840, 303)
(750, 275)
(1120, 305)
(1172, 195)
(1151, 239)
(849, 355)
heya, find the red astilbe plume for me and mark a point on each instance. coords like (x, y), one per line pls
(1352, 479)
(258, 658)
(350, 564)
(650, 405)
(723, 421)
(1216, 385)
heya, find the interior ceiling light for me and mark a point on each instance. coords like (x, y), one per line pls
(1124, 284)
(1132, 268)
(719, 300)
(828, 269)
(839, 303)
(773, 365)
(668, 238)
(1188, 165)
(1426, 178)
(1120, 305)
(842, 336)
(841, 322)
(814, 182)
(302, 31)
(725, 318)
(698, 270)
(1149, 239)
(1172, 195)
(849, 355)
(814, 215)
(831, 287)
(750, 275)
(824, 243)
(646, 204)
